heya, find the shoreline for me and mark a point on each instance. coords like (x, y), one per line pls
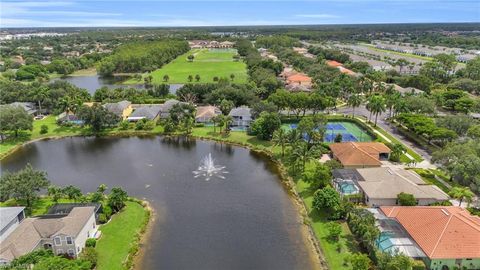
(306, 229)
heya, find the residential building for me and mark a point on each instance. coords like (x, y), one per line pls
(122, 109)
(360, 154)
(299, 79)
(242, 116)
(29, 107)
(206, 113)
(10, 218)
(165, 107)
(381, 186)
(63, 234)
(149, 112)
(449, 236)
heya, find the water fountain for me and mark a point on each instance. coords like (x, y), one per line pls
(208, 169)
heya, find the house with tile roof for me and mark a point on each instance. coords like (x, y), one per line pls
(449, 236)
(360, 154)
(63, 234)
(299, 79)
(380, 186)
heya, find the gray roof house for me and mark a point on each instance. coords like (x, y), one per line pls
(150, 112)
(63, 234)
(29, 107)
(122, 108)
(10, 218)
(381, 185)
(165, 107)
(242, 117)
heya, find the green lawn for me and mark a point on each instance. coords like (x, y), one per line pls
(39, 207)
(118, 236)
(53, 130)
(207, 64)
(319, 222)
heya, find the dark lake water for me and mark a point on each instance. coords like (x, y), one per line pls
(94, 82)
(245, 221)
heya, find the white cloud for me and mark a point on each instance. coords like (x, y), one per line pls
(318, 16)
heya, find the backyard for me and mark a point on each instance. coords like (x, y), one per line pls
(207, 63)
(119, 236)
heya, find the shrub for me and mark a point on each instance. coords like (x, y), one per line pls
(418, 265)
(406, 199)
(89, 254)
(91, 242)
(102, 218)
(124, 125)
(44, 129)
(334, 230)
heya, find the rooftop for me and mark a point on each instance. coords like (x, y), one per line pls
(443, 232)
(31, 231)
(7, 214)
(359, 153)
(386, 183)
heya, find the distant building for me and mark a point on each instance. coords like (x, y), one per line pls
(122, 109)
(206, 113)
(10, 218)
(202, 44)
(167, 106)
(242, 117)
(29, 107)
(299, 79)
(63, 234)
(149, 112)
(360, 154)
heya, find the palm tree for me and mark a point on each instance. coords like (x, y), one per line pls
(39, 95)
(461, 193)
(190, 78)
(216, 119)
(197, 77)
(102, 188)
(401, 63)
(228, 120)
(391, 100)
(376, 105)
(354, 101)
(303, 153)
(166, 78)
(232, 76)
(66, 104)
(280, 138)
(397, 150)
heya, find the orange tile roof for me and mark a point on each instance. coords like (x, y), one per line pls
(443, 232)
(346, 71)
(334, 63)
(359, 153)
(299, 78)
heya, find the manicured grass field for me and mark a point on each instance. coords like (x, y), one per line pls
(118, 236)
(208, 63)
(53, 130)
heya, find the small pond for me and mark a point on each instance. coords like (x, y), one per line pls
(93, 82)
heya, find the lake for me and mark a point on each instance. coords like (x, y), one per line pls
(245, 221)
(93, 82)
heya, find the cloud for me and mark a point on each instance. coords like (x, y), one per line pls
(318, 16)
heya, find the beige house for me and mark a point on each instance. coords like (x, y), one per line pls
(63, 234)
(381, 186)
(206, 113)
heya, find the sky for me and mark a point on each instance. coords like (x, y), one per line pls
(91, 13)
